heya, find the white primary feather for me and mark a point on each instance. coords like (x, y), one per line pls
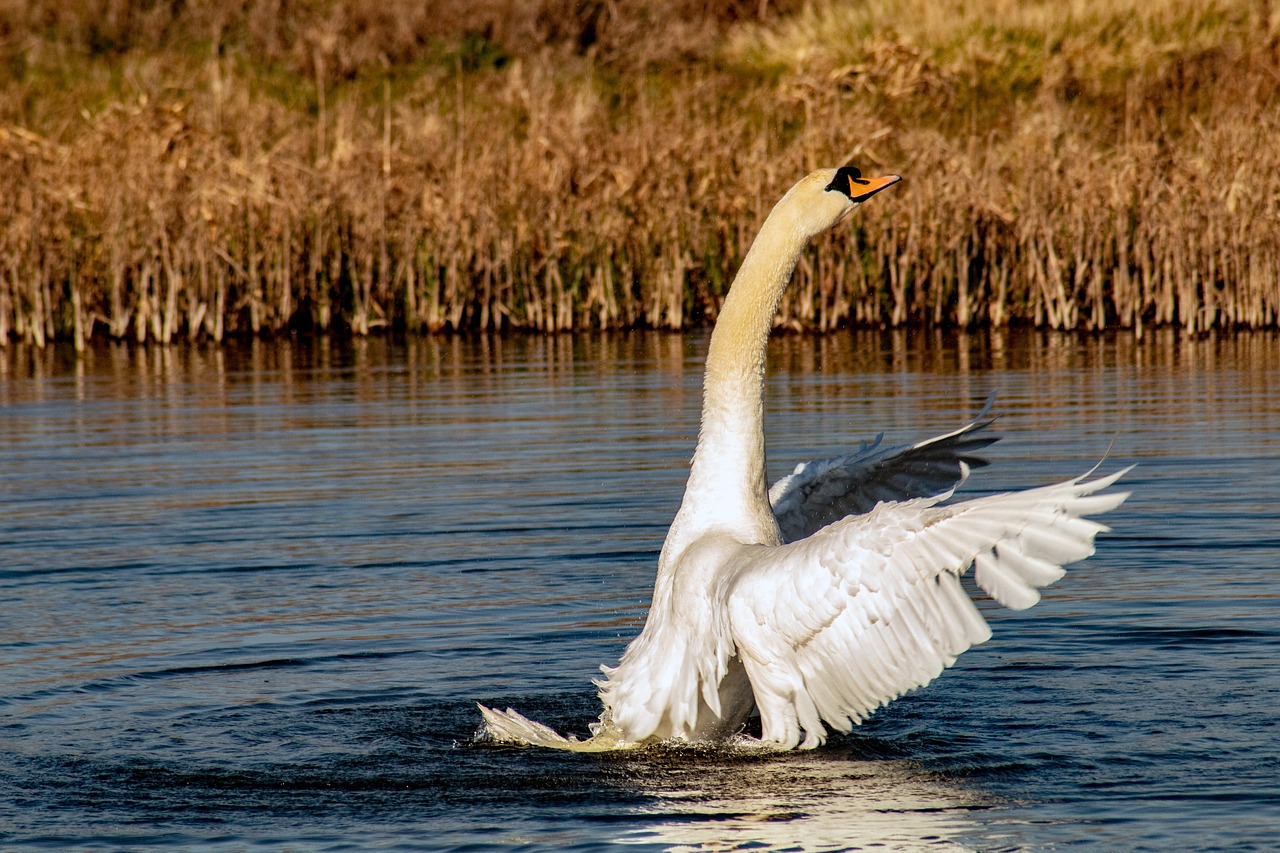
(816, 602)
(900, 616)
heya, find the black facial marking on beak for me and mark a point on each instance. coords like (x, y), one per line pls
(846, 181)
(849, 180)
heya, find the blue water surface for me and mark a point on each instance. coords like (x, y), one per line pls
(252, 593)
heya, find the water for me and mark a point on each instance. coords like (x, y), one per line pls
(251, 594)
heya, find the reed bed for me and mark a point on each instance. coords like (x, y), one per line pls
(569, 165)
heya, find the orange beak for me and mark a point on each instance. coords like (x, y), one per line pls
(861, 189)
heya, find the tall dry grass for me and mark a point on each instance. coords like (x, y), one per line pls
(568, 164)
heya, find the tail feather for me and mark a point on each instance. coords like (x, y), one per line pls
(511, 727)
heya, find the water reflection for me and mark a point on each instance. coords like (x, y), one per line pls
(479, 360)
(819, 801)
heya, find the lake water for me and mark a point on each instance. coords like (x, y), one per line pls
(251, 594)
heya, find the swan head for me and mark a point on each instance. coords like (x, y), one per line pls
(823, 199)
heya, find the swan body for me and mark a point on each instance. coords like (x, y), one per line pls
(817, 601)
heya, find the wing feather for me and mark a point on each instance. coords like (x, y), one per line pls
(834, 626)
(823, 491)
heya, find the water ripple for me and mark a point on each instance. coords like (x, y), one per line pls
(250, 601)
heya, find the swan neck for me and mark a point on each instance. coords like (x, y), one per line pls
(727, 487)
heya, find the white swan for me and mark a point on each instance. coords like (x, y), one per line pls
(780, 602)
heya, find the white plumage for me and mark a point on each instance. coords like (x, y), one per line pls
(817, 601)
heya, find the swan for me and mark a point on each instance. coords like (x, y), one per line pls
(816, 601)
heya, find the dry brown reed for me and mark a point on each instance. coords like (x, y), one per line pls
(360, 167)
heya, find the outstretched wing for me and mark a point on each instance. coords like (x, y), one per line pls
(836, 625)
(822, 491)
